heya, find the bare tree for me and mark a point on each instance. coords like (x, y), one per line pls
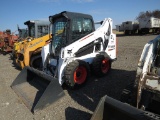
(154, 13)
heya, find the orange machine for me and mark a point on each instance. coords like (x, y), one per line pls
(7, 41)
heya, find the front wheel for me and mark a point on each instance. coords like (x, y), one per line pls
(36, 62)
(76, 73)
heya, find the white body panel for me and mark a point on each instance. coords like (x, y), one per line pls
(45, 52)
(148, 73)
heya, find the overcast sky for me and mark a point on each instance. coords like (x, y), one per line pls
(15, 12)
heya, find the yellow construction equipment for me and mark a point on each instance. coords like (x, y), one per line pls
(28, 51)
(16, 47)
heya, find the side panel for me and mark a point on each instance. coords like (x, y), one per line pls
(45, 52)
(111, 49)
(144, 23)
(155, 23)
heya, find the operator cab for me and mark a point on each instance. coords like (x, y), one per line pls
(23, 33)
(68, 27)
(37, 28)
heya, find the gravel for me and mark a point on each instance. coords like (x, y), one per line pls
(78, 104)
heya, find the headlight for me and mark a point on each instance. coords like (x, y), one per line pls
(29, 39)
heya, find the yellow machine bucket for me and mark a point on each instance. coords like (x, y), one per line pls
(37, 89)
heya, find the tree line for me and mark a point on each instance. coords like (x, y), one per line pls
(154, 13)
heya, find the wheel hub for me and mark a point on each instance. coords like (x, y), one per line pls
(105, 65)
(80, 75)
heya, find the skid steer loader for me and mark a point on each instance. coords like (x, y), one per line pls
(75, 50)
(21, 36)
(144, 92)
(28, 51)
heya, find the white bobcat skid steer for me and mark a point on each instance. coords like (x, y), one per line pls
(77, 48)
(144, 93)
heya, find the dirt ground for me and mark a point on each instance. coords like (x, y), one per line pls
(77, 104)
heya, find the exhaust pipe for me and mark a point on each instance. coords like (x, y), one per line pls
(36, 89)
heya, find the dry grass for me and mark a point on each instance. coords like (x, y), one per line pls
(117, 32)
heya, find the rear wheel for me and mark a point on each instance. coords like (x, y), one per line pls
(101, 65)
(139, 32)
(126, 32)
(76, 73)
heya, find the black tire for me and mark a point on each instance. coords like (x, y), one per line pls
(37, 63)
(101, 65)
(4, 53)
(133, 32)
(76, 73)
(147, 31)
(126, 32)
(139, 32)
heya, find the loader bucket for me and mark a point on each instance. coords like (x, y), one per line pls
(111, 109)
(37, 89)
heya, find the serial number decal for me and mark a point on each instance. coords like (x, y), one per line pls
(112, 42)
(36, 43)
(111, 46)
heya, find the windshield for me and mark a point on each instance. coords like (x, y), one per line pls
(22, 33)
(59, 34)
(81, 27)
(42, 30)
(31, 29)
